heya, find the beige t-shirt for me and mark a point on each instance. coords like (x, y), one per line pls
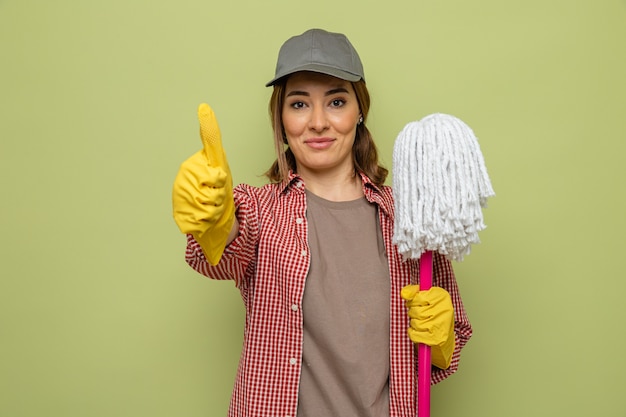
(345, 369)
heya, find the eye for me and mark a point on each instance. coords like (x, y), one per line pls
(297, 105)
(337, 102)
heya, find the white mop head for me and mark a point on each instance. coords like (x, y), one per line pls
(440, 184)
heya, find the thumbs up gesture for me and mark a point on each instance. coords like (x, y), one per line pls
(202, 196)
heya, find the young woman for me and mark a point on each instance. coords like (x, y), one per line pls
(311, 253)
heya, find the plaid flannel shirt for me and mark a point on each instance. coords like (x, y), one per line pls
(269, 261)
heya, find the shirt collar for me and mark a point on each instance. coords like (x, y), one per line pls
(293, 182)
(375, 194)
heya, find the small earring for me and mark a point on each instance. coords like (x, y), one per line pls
(360, 120)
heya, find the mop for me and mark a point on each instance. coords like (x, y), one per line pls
(440, 185)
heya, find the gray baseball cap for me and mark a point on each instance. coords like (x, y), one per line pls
(319, 51)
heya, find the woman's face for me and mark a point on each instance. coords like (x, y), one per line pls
(320, 116)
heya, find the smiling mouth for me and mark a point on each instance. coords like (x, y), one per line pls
(318, 140)
(319, 143)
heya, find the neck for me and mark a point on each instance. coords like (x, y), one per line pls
(335, 187)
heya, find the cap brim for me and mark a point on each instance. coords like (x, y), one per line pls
(334, 72)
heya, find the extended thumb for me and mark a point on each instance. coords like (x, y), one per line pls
(210, 135)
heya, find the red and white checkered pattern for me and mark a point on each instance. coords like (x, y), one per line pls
(269, 261)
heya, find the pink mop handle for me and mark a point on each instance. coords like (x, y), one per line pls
(423, 351)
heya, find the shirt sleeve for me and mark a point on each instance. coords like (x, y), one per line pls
(238, 260)
(443, 276)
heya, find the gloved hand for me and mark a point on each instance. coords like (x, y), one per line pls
(202, 197)
(432, 321)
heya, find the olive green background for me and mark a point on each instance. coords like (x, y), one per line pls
(99, 314)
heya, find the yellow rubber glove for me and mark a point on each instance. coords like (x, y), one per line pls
(432, 321)
(202, 197)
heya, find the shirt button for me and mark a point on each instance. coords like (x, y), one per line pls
(299, 221)
(303, 253)
(293, 361)
(294, 307)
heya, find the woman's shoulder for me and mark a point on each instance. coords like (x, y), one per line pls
(386, 190)
(265, 188)
(263, 192)
(383, 190)
(267, 201)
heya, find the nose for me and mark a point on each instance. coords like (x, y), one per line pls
(318, 121)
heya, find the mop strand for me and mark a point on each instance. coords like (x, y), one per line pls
(440, 185)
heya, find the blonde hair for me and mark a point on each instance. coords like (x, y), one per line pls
(364, 151)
